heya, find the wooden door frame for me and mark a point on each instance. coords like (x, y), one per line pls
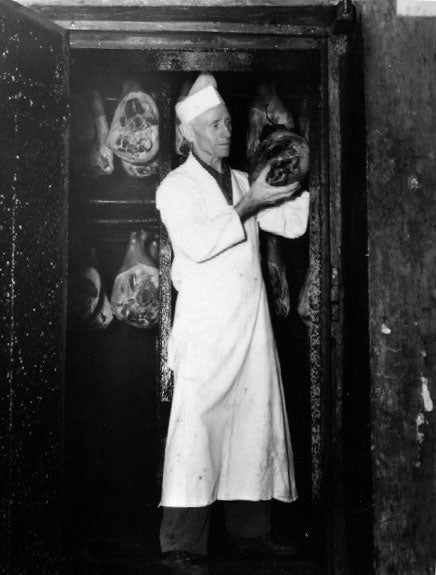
(173, 53)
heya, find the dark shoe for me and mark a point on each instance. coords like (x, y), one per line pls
(266, 547)
(184, 563)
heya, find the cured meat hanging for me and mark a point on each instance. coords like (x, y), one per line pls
(303, 308)
(89, 129)
(276, 271)
(268, 115)
(287, 155)
(271, 141)
(266, 110)
(140, 170)
(102, 159)
(88, 304)
(182, 145)
(135, 293)
(134, 131)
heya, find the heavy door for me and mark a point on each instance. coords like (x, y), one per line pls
(33, 216)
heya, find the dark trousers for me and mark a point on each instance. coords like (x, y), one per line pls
(187, 528)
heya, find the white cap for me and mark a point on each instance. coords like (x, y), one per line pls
(203, 96)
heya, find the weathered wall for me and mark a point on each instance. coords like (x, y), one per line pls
(400, 66)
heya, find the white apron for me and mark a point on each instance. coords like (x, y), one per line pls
(228, 435)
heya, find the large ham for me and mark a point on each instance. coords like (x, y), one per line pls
(272, 141)
(134, 131)
(286, 154)
(135, 294)
(89, 130)
(88, 304)
(267, 110)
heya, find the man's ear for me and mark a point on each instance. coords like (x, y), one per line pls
(187, 132)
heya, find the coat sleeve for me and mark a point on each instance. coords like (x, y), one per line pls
(288, 219)
(190, 229)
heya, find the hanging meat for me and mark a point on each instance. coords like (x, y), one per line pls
(134, 131)
(266, 110)
(88, 304)
(303, 308)
(272, 141)
(89, 130)
(182, 146)
(267, 114)
(277, 279)
(286, 154)
(135, 294)
(140, 170)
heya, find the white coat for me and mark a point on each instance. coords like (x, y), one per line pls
(228, 435)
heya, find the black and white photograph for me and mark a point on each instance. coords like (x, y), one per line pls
(218, 287)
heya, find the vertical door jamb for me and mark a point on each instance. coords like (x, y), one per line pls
(164, 383)
(336, 544)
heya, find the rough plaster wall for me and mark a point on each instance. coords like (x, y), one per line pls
(400, 66)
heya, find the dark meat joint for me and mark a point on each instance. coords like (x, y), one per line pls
(218, 274)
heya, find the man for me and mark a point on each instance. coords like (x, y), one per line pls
(228, 436)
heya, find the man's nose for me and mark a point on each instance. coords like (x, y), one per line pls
(226, 130)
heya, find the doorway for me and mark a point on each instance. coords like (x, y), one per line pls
(118, 387)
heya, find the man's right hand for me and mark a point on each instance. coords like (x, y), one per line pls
(261, 195)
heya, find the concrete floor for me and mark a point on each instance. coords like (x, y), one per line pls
(105, 559)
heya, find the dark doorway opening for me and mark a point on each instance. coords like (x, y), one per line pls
(116, 404)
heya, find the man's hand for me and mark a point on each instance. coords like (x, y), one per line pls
(261, 195)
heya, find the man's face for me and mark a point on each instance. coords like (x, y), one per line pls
(212, 132)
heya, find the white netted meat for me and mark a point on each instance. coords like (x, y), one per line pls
(140, 170)
(134, 131)
(135, 294)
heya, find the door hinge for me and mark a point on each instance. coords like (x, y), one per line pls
(345, 17)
